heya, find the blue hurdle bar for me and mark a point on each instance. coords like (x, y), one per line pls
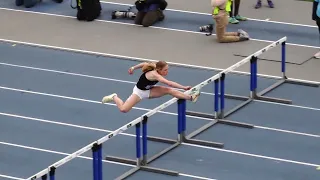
(96, 149)
(99, 154)
(283, 59)
(52, 173)
(253, 77)
(255, 74)
(179, 116)
(183, 118)
(216, 98)
(138, 144)
(144, 140)
(182, 124)
(95, 162)
(222, 96)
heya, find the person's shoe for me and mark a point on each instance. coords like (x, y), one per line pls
(109, 98)
(243, 39)
(195, 95)
(240, 18)
(270, 3)
(258, 5)
(242, 33)
(317, 55)
(233, 20)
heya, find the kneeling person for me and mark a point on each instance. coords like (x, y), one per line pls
(149, 12)
(220, 11)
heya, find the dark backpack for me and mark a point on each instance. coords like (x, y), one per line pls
(87, 10)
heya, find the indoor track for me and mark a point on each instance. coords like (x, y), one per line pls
(51, 98)
(51, 107)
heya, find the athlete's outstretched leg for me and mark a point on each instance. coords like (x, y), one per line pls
(123, 106)
(159, 91)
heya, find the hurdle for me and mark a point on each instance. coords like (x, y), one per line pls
(218, 117)
(284, 79)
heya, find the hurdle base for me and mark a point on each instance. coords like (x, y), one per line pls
(202, 115)
(236, 97)
(160, 171)
(204, 143)
(161, 140)
(270, 99)
(235, 123)
(140, 167)
(121, 160)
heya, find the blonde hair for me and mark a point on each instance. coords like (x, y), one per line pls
(150, 66)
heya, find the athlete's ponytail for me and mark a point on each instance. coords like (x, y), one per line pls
(148, 67)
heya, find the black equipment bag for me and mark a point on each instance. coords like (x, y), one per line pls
(88, 10)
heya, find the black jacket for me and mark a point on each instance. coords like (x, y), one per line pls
(141, 4)
(314, 10)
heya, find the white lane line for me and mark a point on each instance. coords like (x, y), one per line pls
(83, 157)
(287, 131)
(131, 82)
(144, 109)
(155, 27)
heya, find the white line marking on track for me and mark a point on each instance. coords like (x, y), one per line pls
(67, 73)
(143, 59)
(131, 82)
(286, 131)
(289, 105)
(200, 13)
(132, 135)
(144, 109)
(155, 27)
(197, 177)
(10, 177)
(84, 157)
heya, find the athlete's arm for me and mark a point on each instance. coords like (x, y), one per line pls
(138, 66)
(163, 80)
